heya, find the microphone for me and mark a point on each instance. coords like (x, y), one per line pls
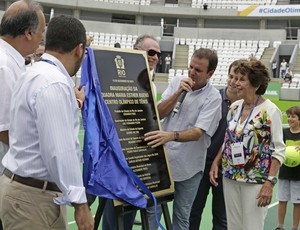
(179, 102)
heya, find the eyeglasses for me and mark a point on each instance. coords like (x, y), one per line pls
(151, 53)
(39, 55)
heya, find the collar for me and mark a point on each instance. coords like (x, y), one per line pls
(224, 96)
(208, 85)
(11, 51)
(55, 62)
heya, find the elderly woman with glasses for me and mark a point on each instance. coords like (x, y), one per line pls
(253, 149)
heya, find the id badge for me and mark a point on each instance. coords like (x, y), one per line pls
(237, 152)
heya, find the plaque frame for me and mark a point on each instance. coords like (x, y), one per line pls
(126, 88)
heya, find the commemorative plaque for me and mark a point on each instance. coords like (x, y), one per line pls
(128, 92)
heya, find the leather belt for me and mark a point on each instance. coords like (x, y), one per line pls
(32, 182)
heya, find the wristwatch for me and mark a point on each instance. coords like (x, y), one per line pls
(176, 136)
(272, 179)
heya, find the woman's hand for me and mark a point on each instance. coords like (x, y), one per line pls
(265, 194)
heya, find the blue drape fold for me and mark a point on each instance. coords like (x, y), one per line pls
(105, 170)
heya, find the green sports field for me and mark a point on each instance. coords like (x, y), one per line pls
(282, 105)
(271, 220)
(206, 223)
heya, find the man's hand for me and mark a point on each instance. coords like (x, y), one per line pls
(89, 40)
(83, 217)
(157, 138)
(186, 84)
(4, 137)
(79, 93)
(213, 174)
(166, 107)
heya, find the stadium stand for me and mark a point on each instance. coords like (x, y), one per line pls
(219, 27)
(291, 90)
(109, 39)
(230, 4)
(228, 51)
(132, 2)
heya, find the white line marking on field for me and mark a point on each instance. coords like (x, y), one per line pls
(272, 205)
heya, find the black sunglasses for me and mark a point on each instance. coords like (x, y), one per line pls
(153, 52)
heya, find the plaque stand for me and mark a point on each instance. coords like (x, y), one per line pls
(122, 209)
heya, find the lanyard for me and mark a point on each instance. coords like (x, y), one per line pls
(231, 137)
(48, 61)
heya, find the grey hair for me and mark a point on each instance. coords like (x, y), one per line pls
(26, 18)
(139, 43)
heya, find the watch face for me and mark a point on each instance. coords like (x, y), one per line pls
(176, 136)
(273, 180)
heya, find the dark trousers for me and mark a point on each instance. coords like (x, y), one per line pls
(1, 228)
(109, 215)
(274, 73)
(218, 204)
(109, 218)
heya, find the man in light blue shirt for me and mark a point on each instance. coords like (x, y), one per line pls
(187, 133)
(42, 167)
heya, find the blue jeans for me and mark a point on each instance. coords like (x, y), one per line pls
(185, 193)
(283, 73)
(151, 216)
(109, 218)
(218, 203)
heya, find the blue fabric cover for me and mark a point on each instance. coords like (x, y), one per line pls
(105, 170)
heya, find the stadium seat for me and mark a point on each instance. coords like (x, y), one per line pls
(171, 74)
(185, 73)
(182, 41)
(276, 43)
(285, 85)
(178, 72)
(293, 85)
(295, 80)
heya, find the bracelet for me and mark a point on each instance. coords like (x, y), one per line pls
(80, 103)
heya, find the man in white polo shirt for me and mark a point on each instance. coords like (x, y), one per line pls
(21, 31)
